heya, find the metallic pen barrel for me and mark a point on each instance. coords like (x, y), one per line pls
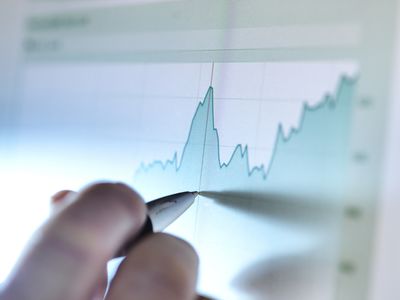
(162, 212)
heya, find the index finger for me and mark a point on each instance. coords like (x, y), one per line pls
(72, 249)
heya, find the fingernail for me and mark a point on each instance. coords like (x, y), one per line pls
(59, 196)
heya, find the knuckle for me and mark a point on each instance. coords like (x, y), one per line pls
(116, 194)
(99, 220)
(61, 240)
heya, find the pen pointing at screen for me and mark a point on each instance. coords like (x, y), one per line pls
(68, 255)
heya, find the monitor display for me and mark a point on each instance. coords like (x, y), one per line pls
(277, 112)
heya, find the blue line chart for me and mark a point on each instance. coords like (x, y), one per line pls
(311, 156)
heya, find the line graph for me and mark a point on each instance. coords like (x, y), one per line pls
(300, 187)
(323, 126)
(274, 112)
(267, 142)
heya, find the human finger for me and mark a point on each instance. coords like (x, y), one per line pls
(159, 267)
(59, 201)
(73, 248)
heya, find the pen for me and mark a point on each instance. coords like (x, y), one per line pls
(161, 213)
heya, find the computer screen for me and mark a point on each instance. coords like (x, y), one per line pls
(284, 115)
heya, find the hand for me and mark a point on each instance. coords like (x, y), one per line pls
(67, 259)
